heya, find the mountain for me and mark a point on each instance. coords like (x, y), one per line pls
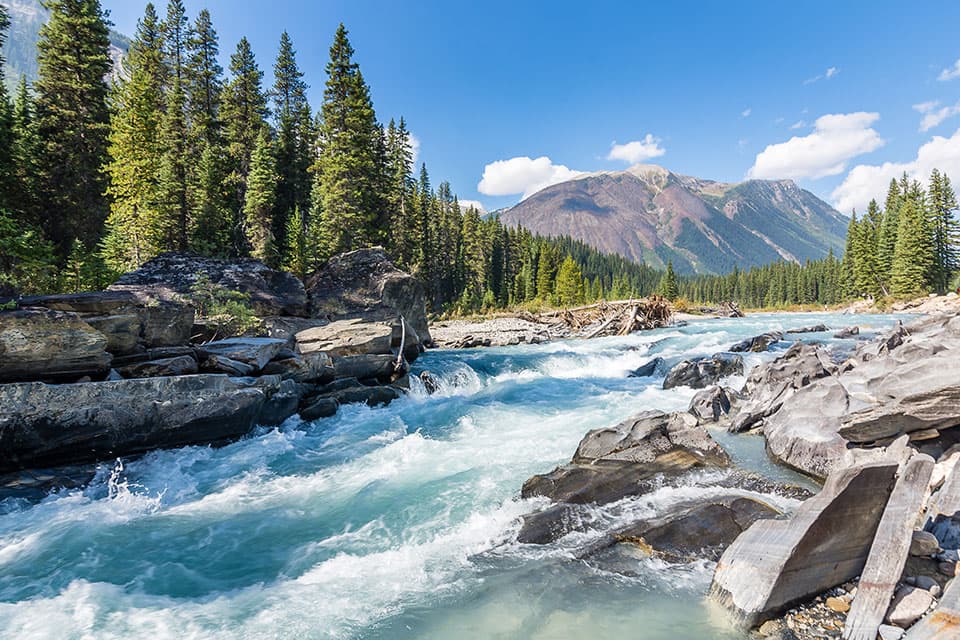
(651, 215)
(20, 50)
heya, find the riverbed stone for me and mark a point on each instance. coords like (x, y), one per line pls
(909, 604)
(757, 344)
(177, 366)
(256, 352)
(41, 344)
(703, 372)
(221, 364)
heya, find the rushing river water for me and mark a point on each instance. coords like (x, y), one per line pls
(382, 523)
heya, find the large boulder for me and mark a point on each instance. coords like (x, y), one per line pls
(776, 564)
(40, 344)
(256, 352)
(757, 344)
(171, 277)
(357, 337)
(703, 372)
(47, 425)
(365, 284)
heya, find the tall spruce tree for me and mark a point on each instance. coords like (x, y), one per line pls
(887, 241)
(134, 228)
(244, 113)
(946, 233)
(569, 287)
(668, 284)
(346, 170)
(913, 255)
(25, 157)
(259, 202)
(73, 121)
(8, 178)
(400, 187)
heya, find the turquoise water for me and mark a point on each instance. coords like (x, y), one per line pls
(381, 523)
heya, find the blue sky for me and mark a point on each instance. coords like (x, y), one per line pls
(533, 92)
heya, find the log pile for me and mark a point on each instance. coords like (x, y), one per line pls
(606, 318)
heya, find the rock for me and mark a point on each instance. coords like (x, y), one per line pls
(890, 632)
(282, 403)
(778, 563)
(155, 353)
(909, 604)
(316, 367)
(651, 368)
(49, 425)
(178, 366)
(615, 462)
(757, 344)
(928, 583)
(372, 396)
(702, 372)
(689, 532)
(320, 408)
(924, 543)
(37, 344)
(770, 384)
(849, 332)
(888, 553)
(837, 605)
(817, 328)
(931, 408)
(256, 352)
(221, 364)
(710, 404)
(287, 327)
(358, 337)
(431, 383)
(366, 284)
(171, 276)
(947, 568)
(943, 623)
(379, 367)
(166, 324)
(122, 331)
(943, 512)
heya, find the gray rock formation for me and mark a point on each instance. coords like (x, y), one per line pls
(778, 563)
(943, 623)
(256, 352)
(711, 404)
(757, 344)
(39, 344)
(703, 372)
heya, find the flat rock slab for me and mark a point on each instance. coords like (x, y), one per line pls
(777, 563)
(943, 623)
(177, 366)
(935, 408)
(256, 352)
(49, 425)
(347, 338)
(888, 554)
(39, 344)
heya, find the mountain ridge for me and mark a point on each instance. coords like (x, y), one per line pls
(652, 215)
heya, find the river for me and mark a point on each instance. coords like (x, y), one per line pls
(387, 523)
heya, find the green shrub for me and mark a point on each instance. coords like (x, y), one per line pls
(226, 312)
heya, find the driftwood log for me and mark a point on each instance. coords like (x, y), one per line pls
(606, 318)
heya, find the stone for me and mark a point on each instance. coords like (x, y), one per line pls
(909, 604)
(928, 583)
(817, 328)
(171, 277)
(947, 568)
(838, 605)
(757, 344)
(347, 338)
(710, 404)
(651, 368)
(615, 462)
(943, 512)
(40, 344)
(931, 408)
(256, 352)
(378, 367)
(282, 403)
(122, 331)
(372, 396)
(49, 425)
(366, 284)
(166, 324)
(890, 632)
(849, 332)
(320, 408)
(943, 623)
(222, 364)
(431, 383)
(178, 366)
(315, 367)
(924, 543)
(776, 564)
(888, 553)
(703, 372)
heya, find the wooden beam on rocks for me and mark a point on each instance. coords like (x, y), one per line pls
(888, 554)
(776, 564)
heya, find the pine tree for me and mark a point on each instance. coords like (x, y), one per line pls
(913, 255)
(668, 284)
(888, 231)
(260, 200)
(73, 120)
(569, 287)
(25, 157)
(546, 272)
(203, 78)
(294, 139)
(346, 169)
(942, 206)
(402, 225)
(132, 227)
(474, 260)
(8, 178)
(865, 252)
(849, 278)
(244, 115)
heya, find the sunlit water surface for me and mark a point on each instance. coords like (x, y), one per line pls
(383, 523)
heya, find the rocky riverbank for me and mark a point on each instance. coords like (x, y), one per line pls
(872, 554)
(94, 376)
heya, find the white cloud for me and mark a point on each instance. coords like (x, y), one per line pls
(637, 151)
(414, 148)
(950, 73)
(476, 204)
(522, 175)
(836, 139)
(799, 124)
(865, 182)
(746, 112)
(826, 75)
(934, 114)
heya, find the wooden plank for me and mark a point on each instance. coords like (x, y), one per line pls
(889, 551)
(944, 622)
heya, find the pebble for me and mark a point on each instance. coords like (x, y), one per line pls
(838, 604)
(924, 543)
(890, 632)
(909, 604)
